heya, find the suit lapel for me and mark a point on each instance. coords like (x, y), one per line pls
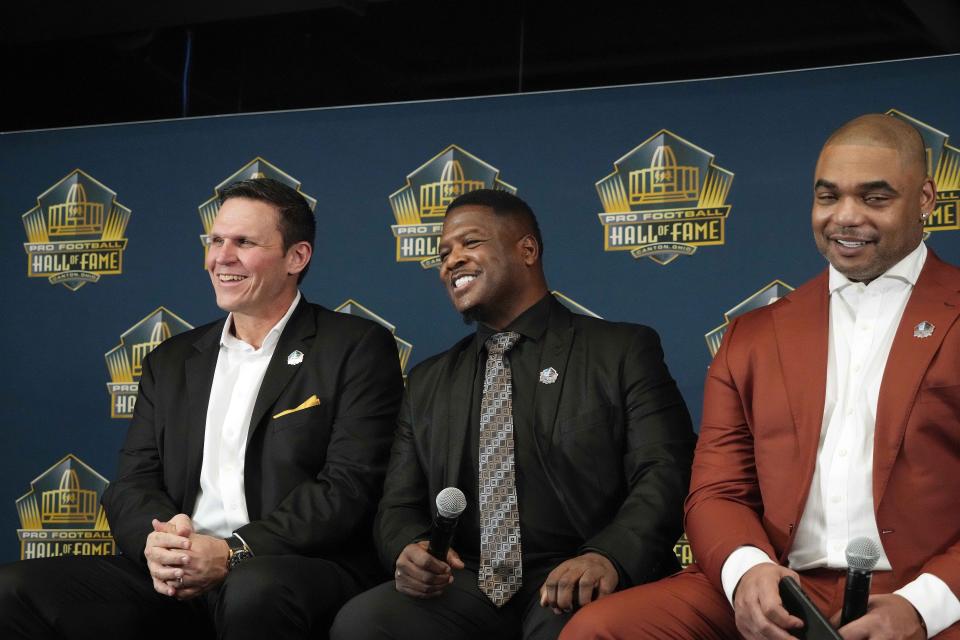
(297, 336)
(199, 370)
(558, 341)
(932, 301)
(452, 435)
(802, 324)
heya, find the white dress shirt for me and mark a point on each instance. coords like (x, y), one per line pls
(221, 504)
(840, 506)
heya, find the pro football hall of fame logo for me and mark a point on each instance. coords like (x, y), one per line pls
(404, 348)
(767, 295)
(664, 199)
(75, 233)
(61, 514)
(256, 168)
(419, 206)
(943, 165)
(125, 361)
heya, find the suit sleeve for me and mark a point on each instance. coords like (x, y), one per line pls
(139, 494)
(723, 510)
(656, 462)
(404, 513)
(321, 514)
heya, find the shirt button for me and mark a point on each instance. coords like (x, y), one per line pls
(849, 412)
(856, 368)
(835, 499)
(843, 453)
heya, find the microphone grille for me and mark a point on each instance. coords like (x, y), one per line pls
(863, 554)
(451, 502)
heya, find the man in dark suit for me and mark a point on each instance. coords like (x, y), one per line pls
(248, 481)
(566, 433)
(831, 415)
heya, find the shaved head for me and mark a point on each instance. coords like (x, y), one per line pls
(872, 196)
(881, 130)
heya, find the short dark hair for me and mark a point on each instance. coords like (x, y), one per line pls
(503, 203)
(296, 219)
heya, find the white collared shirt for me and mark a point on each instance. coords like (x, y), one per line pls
(221, 504)
(840, 506)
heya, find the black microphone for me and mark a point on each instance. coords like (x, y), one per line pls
(450, 504)
(862, 557)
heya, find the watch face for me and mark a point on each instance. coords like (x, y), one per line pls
(238, 556)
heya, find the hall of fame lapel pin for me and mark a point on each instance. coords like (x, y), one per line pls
(548, 376)
(923, 330)
(295, 358)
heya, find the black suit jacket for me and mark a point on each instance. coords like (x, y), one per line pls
(312, 477)
(612, 433)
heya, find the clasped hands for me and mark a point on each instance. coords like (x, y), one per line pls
(182, 563)
(760, 613)
(570, 585)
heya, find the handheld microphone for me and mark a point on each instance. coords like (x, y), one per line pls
(450, 504)
(862, 556)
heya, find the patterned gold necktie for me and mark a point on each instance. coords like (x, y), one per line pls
(501, 572)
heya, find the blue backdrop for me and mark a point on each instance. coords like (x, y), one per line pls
(761, 134)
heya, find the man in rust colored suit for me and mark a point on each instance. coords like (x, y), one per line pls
(830, 415)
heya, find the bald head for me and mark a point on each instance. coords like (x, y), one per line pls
(872, 196)
(888, 132)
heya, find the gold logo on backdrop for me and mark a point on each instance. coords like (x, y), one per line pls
(664, 199)
(419, 206)
(75, 233)
(125, 361)
(404, 348)
(767, 295)
(943, 165)
(67, 519)
(683, 551)
(256, 168)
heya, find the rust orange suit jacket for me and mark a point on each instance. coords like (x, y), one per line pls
(763, 408)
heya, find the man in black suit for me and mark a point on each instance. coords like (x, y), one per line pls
(566, 433)
(251, 470)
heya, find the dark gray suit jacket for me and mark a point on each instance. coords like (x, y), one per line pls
(312, 477)
(612, 433)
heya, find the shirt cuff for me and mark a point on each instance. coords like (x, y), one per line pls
(933, 600)
(738, 563)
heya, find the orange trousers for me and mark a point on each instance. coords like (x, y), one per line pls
(686, 606)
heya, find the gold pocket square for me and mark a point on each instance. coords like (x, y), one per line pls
(312, 401)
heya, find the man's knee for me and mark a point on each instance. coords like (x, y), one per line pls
(681, 606)
(365, 617)
(252, 589)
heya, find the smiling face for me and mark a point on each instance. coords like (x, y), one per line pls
(867, 208)
(252, 275)
(489, 265)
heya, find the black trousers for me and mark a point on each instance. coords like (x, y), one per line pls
(462, 612)
(112, 598)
